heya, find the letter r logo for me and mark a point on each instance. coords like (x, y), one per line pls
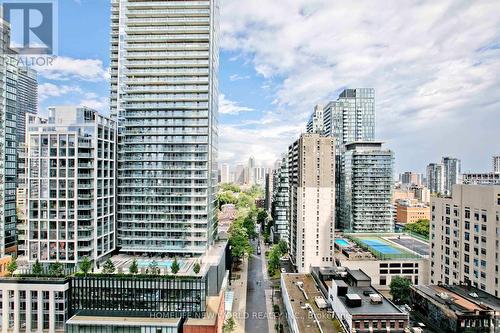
(32, 26)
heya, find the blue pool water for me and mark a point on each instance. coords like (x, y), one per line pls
(161, 264)
(342, 242)
(381, 246)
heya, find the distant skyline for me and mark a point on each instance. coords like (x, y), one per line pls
(433, 65)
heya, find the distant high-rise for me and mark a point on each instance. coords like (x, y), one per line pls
(350, 118)
(239, 175)
(496, 164)
(316, 123)
(435, 178)
(71, 185)
(27, 99)
(367, 185)
(164, 94)
(411, 178)
(224, 173)
(311, 168)
(452, 173)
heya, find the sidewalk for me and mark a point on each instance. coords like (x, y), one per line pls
(240, 297)
(271, 321)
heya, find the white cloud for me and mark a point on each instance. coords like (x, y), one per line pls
(237, 77)
(48, 90)
(100, 104)
(229, 107)
(65, 69)
(433, 65)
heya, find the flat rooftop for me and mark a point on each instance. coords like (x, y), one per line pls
(122, 261)
(367, 307)
(388, 246)
(123, 321)
(460, 298)
(302, 315)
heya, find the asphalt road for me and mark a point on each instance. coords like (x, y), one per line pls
(256, 321)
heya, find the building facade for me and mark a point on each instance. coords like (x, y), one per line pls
(311, 169)
(410, 212)
(164, 95)
(464, 237)
(71, 184)
(486, 178)
(34, 305)
(496, 164)
(8, 141)
(366, 188)
(435, 178)
(281, 202)
(452, 173)
(224, 173)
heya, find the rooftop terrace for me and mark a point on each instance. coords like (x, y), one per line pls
(302, 314)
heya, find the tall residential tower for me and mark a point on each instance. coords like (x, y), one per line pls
(164, 95)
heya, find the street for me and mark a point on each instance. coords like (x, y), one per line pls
(257, 321)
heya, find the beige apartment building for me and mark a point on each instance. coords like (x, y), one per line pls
(311, 162)
(410, 211)
(465, 237)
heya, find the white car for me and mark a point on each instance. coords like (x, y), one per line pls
(283, 270)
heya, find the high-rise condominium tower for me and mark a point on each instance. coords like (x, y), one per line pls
(452, 173)
(349, 119)
(311, 165)
(164, 94)
(435, 177)
(71, 189)
(366, 198)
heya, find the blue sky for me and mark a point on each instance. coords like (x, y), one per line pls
(434, 66)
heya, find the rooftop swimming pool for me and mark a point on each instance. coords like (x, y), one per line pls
(342, 242)
(161, 263)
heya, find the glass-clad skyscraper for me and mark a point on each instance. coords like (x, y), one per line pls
(164, 94)
(366, 197)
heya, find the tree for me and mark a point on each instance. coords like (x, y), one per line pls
(85, 265)
(196, 267)
(230, 187)
(153, 268)
(226, 198)
(229, 325)
(274, 259)
(12, 266)
(420, 227)
(175, 267)
(245, 201)
(400, 290)
(37, 268)
(261, 217)
(108, 267)
(56, 269)
(133, 269)
(249, 225)
(239, 241)
(283, 247)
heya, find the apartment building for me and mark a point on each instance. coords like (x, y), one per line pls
(71, 184)
(164, 95)
(408, 211)
(435, 177)
(281, 202)
(311, 168)
(452, 173)
(367, 188)
(464, 237)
